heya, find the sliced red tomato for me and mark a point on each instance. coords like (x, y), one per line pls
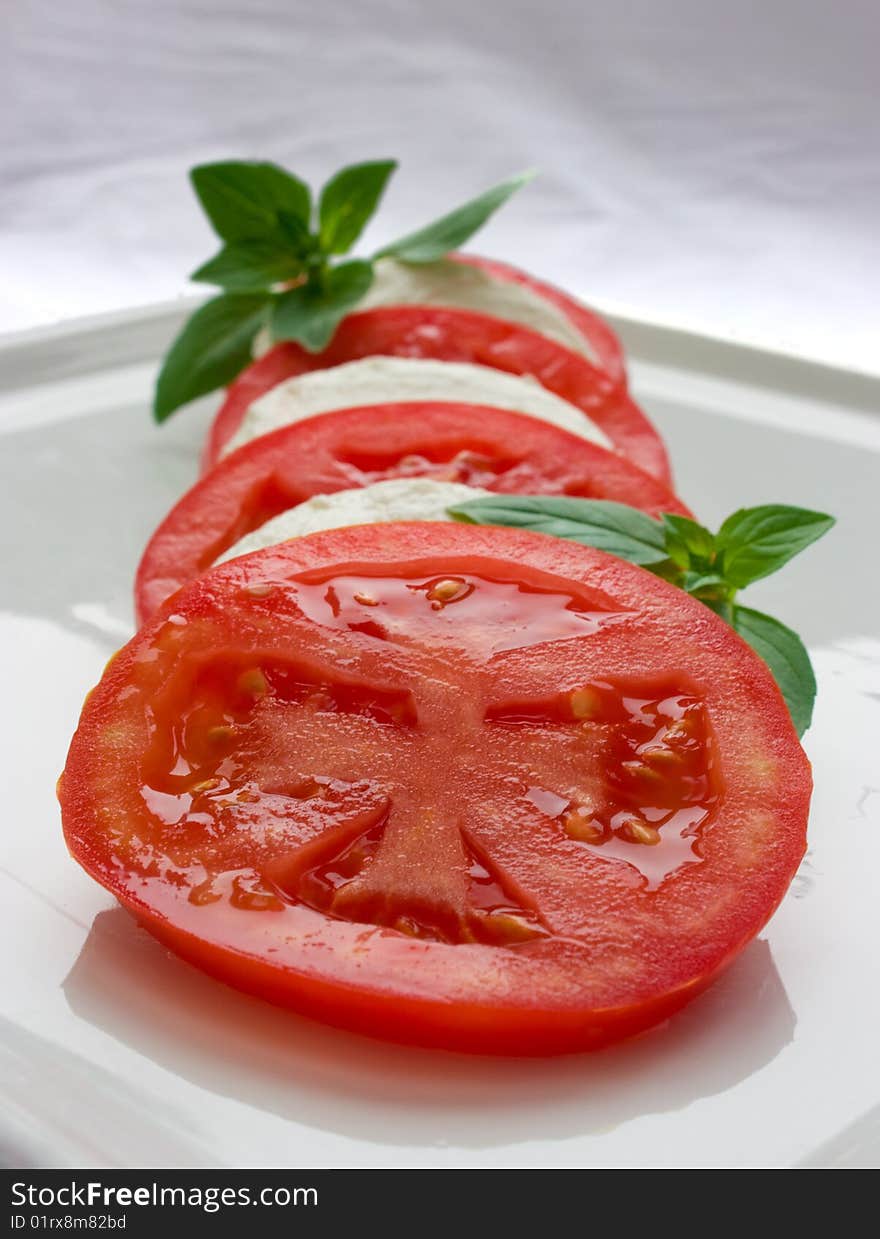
(454, 335)
(599, 335)
(491, 448)
(460, 786)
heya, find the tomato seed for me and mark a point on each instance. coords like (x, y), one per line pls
(583, 827)
(252, 682)
(445, 591)
(206, 785)
(638, 770)
(584, 703)
(204, 894)
(641, 832)
(662, 756)
(507, 927)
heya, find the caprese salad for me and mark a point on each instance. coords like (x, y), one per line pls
(444, 722)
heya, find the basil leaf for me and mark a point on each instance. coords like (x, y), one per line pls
(452, 230)
(242, 200)
(631, 535)
(311, 313)
(694, 582)
(784, 653)
(687, 541)
(214, 345)
(609, 526)
(754, 542)
(246, 266)
(294, 235)
(347, 202)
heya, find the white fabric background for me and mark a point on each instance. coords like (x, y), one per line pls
(709, 165)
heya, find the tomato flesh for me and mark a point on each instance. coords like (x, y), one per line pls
(458, 786)
(433, 333)
(491, 448)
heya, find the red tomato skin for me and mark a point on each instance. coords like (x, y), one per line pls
(520, 1023)
(290, 465)
(598, 333)
(440, 334)
(469, 1029)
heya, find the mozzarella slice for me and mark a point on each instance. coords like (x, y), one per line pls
(384, 380)
(401, 499)
(459, 286)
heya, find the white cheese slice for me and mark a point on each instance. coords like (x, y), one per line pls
(457, 285)
(383, 380)
(401, 499)
(460, 286)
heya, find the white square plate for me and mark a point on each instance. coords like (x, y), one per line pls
(116, 1054)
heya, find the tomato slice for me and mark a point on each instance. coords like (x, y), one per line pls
(441, 334)
(486, 447)
(599, 334)
(459, 786)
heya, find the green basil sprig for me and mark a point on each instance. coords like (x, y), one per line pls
(276, 267)
(713, 567)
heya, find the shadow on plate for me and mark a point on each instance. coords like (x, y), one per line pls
(239, 1047)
